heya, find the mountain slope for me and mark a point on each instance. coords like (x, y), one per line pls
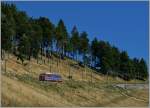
(20, 86)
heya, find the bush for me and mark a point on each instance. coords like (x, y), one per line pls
(70, 77)
(81, 64)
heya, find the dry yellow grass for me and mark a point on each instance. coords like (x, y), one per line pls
(19, 90)
(26, 95)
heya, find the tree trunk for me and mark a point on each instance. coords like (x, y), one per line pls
(41, 53)
(85, 72)
(37, 58)
(73, 56)
(82, 75)
(8, 54)
(50, 64)
(63, 50)
(45, 56)
(107, 77)
(77, 57)
(48, 56)
(91, 76)
(5, 65)
(2, 54)
(30, 53)
(69, 70)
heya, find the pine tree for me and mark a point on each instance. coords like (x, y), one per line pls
(23, 48)
(84, 44)
(61, 36)
(124, 62)
(36, 38)
(75, 42)
(47, 36)
(93, 50)
(8, 26)
(143, 69)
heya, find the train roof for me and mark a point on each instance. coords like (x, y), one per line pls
(47, 73)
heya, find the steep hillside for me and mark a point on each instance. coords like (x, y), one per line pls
(21, 87)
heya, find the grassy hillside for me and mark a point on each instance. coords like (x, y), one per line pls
(21, 87)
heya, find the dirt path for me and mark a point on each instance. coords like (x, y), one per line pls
(133, 86)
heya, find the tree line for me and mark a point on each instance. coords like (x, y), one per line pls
(28, 37)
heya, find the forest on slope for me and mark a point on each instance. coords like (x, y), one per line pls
(27, 37)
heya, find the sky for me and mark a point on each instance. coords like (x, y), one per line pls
(123, 24)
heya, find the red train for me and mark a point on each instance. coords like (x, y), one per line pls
(53, 77)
